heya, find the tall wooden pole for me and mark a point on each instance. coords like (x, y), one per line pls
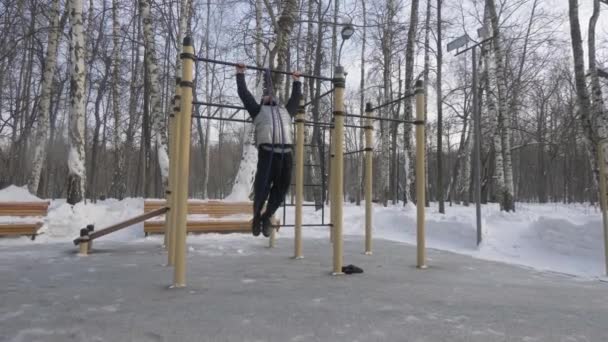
(338, 185)
(420, 149)
(299, 179)
(369, 148)
(179, 275)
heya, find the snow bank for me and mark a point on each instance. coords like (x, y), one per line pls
(14, 193)
(65, 221)
(550, 237)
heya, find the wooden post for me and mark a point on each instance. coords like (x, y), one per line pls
(183, 168)
(420, 150)
(170, 218)
(84, 242)
(602, 154)
(273, 237)
(338, 167)
(369, 154)
(299, 180)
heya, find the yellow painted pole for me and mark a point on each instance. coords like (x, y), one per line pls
(181, 200)
(602, 150)
(273, 237)
(420, 149)
(338, 186)
(369, 155)
(299, 180)
(170, 217)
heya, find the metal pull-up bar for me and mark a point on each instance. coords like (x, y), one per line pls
(405, 96)
(214, 61)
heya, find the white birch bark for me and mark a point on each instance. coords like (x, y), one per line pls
(118, 181)
(503, 105)
(243, 183)
(599, 116)
(409, 154)
(157, 117)
(76, 156)
(44, 105)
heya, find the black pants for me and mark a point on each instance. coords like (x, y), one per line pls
(273, 177)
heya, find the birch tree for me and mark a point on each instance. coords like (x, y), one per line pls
(409, 75)
(44, 105)
(118, 181)
(158, 120)
(243, 183)
(76, 158)
(440, 198)
(508, 201)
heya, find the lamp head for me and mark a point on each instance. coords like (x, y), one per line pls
(347, 31)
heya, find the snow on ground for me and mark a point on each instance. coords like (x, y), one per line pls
(551, 237)
(14, 193)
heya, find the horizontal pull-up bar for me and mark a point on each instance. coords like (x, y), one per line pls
(319, 97)
(201, 103)
(214, 61)
(220, 119)
(394, 101)
(380, 119)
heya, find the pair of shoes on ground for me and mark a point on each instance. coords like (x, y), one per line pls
(351, 269)
(261, 225)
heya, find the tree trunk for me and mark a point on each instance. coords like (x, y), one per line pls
(243, 182)
(504, 127)
(582, 95)
(44, 105)
(597, 98)
(410, 47)
(427, 53)
(439, 113)
(76, 157)
(118, 181)
(158, 119)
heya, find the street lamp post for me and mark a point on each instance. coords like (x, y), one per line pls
(456, 44)
(337, 157)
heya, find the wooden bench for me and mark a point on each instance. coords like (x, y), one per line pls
(36, 210)
(219, 222)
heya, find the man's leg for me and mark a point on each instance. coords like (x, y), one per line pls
(261, 188)
(280, 186)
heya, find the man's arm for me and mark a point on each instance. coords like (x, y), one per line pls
(248, 100)
(296, 94)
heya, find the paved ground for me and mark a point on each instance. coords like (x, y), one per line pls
(241, 291)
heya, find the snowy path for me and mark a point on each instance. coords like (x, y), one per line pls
(241, 291)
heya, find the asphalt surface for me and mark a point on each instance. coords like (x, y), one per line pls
(240, 290)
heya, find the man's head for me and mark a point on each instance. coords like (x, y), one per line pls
(267, 100)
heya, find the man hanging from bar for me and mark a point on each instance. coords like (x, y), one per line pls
(273, 135)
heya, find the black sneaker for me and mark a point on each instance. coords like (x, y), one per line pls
(256, 226)
(266, 227)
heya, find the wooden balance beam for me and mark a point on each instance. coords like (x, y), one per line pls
(86, 236)
(36, 210)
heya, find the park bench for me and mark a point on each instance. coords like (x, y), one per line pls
(218, 217)
(28, 218)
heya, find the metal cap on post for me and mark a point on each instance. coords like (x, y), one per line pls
(369, 145)
(181, 196)
(420, 179)
(338, 166)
